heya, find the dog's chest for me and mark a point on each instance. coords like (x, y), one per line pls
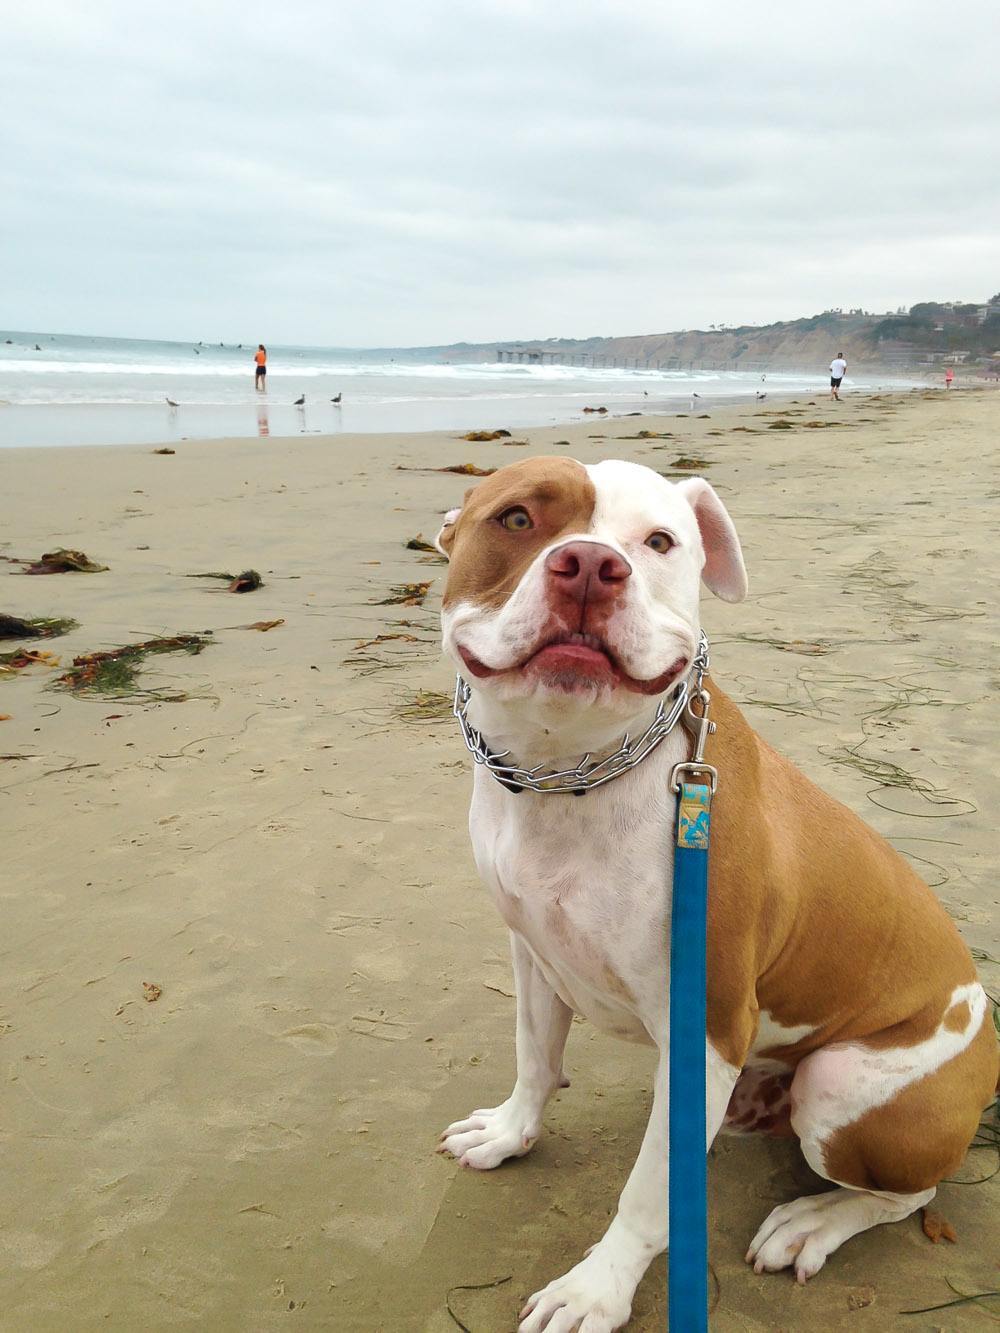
(585, 882)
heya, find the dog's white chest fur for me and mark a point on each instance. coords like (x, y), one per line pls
(585, 882)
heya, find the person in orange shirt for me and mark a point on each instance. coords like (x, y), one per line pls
(260, 377)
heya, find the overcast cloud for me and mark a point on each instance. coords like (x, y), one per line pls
(383, 173)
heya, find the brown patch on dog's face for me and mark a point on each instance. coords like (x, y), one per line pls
(488, 560)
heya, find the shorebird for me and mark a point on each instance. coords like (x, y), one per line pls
(337, 399)
(760, 396)
(694, 400)
(300, 401)
(172, 403)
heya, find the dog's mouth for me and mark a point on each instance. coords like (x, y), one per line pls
(573, 660)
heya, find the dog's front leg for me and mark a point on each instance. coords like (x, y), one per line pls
(487, 1137)
(600, 1288)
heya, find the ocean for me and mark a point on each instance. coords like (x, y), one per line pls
(60, 389)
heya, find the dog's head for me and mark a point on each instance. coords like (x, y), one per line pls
(579, 585)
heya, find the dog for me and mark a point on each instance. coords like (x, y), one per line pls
(843, 1006)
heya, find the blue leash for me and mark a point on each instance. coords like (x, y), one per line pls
(687, 1201)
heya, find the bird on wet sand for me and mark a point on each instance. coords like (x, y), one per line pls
(171, 403)
(300, 401)
(337, 399)
(760, 396)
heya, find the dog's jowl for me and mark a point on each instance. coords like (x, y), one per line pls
(843, 1007)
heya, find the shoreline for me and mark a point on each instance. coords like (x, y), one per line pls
(69, 425)
(282, 848)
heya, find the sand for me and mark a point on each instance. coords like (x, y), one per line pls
(285, 854)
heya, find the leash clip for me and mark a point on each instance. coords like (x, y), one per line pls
(703, 729)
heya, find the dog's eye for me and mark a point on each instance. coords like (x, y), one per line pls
(516, 519)
(660, 542)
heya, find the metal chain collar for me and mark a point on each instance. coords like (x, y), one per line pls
(588, 773)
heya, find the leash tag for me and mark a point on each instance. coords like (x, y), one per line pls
(693, 815)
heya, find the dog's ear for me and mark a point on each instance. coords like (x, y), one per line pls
(724, 572)
(446, 537)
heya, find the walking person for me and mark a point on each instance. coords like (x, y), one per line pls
(949, 375)
(838, 369)
(260, 375)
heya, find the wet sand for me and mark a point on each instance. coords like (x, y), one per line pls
(285, 854)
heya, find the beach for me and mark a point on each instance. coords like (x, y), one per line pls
(274, 836)
(57, 389)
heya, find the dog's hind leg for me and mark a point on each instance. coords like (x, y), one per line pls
(485, 1138)
(805, 1232)
(886, 1124)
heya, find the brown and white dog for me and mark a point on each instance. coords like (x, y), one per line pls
(843, 1007)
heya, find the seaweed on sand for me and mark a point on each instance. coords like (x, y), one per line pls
(425, 706)
(248, 581)
(406, 594)
(433, 556)
(807, 647)
(15, 661)
(690, 464)
(962, 1298)
(480, 436)
(39, 627)
(60, 561)
(463, 469)
(390, 652)
(115, 671)
(885, 773)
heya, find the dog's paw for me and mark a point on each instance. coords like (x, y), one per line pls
(593, 1296)
(488, 1137)
(801, 1234)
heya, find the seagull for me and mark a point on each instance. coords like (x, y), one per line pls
(694, 399)
(337, 399)
(300, 401)
(172, 403)
(760, 396)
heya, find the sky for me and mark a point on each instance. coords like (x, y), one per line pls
(387, 174)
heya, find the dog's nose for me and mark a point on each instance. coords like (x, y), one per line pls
(587, 571)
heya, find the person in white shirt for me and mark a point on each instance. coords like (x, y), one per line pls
(838, 369)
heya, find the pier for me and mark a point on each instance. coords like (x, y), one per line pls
(540, 356)
(543, 356)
